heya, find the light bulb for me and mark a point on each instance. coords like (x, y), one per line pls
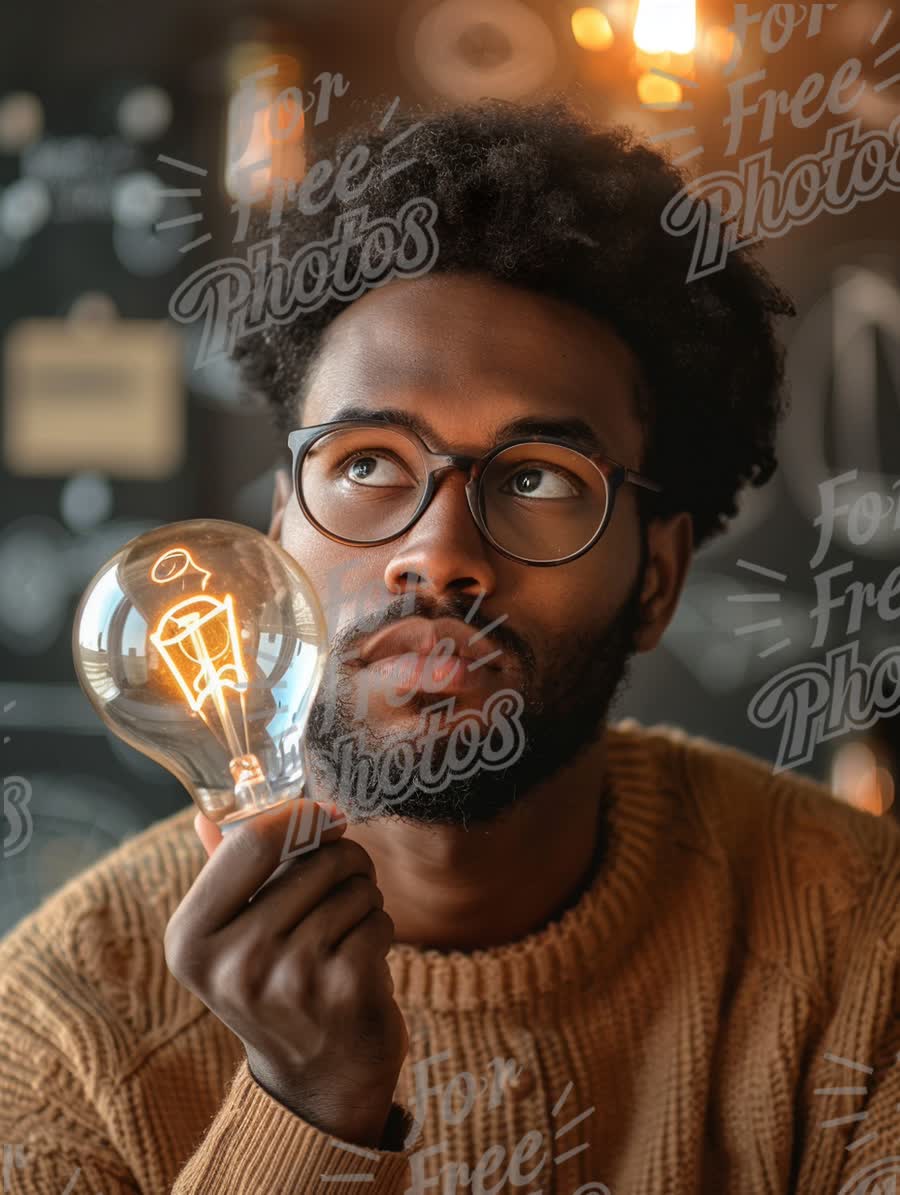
(202, 644)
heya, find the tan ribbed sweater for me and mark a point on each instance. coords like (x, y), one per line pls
(680, 1028)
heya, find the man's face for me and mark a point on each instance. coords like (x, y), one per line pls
(467, 356)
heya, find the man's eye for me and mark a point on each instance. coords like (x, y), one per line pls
(373, 469)
(539, 482)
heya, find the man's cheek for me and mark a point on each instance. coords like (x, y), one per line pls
(330, 578)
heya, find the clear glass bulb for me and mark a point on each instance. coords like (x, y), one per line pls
(202, 644)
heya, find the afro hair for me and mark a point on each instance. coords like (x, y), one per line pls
(537, 197)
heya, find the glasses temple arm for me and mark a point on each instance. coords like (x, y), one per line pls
(643, 482)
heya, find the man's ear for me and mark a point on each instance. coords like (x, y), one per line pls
(670, 550)
(281, 495)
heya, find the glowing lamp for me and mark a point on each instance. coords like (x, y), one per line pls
(666, 26)
(657, 90)
(591, 29)
(266, 124)
(857, 779)
(202, 644)
(719, 43)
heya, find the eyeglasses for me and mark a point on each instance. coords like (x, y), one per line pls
(536, 500)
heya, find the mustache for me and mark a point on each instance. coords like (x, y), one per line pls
(346, 641)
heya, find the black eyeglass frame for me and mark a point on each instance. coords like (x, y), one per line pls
(614, 476)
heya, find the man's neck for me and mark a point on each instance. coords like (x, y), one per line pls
(450, 888)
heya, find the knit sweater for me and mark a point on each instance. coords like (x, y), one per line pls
(717, 1012)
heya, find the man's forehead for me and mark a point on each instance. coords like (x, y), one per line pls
(460, 335)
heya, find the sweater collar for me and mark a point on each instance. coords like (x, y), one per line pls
(590, 938)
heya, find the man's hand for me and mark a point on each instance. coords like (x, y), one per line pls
(291, 956)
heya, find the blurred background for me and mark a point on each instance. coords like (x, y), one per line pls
(118, 169)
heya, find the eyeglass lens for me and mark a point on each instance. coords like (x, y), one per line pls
(539, 502)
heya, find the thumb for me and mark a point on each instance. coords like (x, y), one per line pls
(208, 833)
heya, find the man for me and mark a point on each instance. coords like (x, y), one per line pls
(603, 958)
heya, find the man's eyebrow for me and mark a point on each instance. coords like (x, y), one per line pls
(564, 428)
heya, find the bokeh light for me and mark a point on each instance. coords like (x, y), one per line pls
(719, 42)
(21, 121)
(656, 89)
(666, 26)
(591, 29)
(858, 780)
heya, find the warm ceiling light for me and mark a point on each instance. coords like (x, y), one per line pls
(857, 779)
(265, 138)
(666, 26)
(875, 793)
(719, 43)
(656, 89)
(591, 29)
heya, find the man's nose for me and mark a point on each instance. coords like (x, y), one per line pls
(444, 550)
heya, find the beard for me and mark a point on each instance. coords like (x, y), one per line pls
(559, 713)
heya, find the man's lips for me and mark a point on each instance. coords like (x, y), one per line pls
(418, 673)
(443, 639)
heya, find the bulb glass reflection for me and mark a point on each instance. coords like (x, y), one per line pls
(202, 644)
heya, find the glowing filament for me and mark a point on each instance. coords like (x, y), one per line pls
(175, 563)
(199, 639)
(193, 636)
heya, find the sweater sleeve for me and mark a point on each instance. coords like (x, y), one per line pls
(52, 1136)
(872, 1157)
(64, 1096)
(852, 1146)
(851, 1100)
(255, 1143)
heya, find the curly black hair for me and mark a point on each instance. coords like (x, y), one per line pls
(537, 197)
